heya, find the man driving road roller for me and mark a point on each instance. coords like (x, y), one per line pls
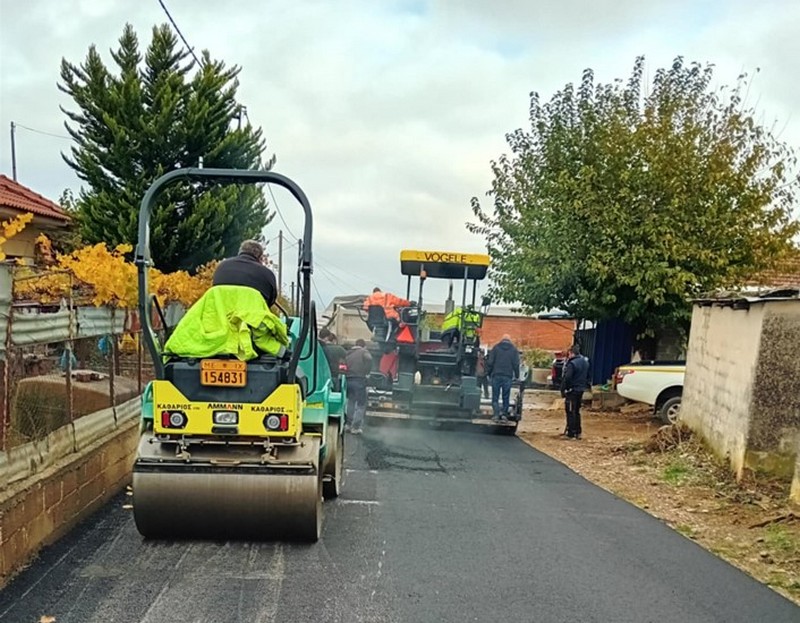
(230, 318)
(247, 269)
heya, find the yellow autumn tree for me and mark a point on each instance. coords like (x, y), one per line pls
(10, 228)
(102, 276)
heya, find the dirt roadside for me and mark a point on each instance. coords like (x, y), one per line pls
(749, 524)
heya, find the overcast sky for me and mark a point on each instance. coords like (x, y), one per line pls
(388, 112)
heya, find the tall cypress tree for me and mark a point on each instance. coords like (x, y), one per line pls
(162, 112)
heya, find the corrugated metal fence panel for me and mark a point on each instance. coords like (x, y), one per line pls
(5, 305)
(35, 327)
(613, 347)
(129, 410)
(99, 321)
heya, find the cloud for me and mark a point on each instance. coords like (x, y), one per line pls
(388, 113)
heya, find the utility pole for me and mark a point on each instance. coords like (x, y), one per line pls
(280, 261)
(295, 309)
(13, 153)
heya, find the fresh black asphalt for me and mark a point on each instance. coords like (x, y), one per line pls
(433, 526)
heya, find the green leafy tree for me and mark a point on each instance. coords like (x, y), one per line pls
(159, 113)
(68, 239)
(624, 203)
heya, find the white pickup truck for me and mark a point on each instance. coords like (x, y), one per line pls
(656, 383)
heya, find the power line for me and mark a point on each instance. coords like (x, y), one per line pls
(346, 271)
(280, 214)
(319, 296)
(333, 279)
(180, 34)
(19, 125)
(336, 280)
(291, 233)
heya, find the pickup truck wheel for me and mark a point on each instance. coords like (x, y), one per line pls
(670, 410)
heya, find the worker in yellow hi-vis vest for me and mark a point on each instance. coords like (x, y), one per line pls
(453, 325)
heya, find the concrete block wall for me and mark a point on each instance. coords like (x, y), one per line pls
(40, 509)
(720, 373)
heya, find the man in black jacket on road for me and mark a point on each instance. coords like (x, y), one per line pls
(335, 354)
(574, 382)
(359, 365)
(502, 365)
(247, 269)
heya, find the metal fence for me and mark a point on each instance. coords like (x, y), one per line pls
(62, 360)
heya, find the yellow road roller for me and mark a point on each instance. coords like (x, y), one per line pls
(236, 444)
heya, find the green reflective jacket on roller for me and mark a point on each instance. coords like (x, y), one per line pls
(228, 320)
(453, 320)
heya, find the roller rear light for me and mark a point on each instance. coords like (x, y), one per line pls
(276, 422)
(173, 419)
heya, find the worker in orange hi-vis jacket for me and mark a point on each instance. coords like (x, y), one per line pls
(389, 303)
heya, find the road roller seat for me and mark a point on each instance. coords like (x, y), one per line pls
(264, 374)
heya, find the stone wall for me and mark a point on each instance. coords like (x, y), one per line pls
(775, 419)
(42, 501)
(794, 495)
(742, 387)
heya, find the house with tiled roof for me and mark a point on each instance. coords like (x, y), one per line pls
(48, 216)
(785, 275)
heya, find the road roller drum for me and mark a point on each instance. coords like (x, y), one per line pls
(226, 495)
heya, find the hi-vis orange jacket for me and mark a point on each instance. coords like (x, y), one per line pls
(388, 301)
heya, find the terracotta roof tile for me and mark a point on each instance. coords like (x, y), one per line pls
(786, 273)
(15, 195)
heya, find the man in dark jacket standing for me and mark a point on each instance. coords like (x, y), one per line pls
(502, 365)
(335, 355)
(574, 382)
(359, 365)
(247, 269)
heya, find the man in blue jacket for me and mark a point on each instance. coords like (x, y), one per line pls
(502, 366)
(574, 382)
